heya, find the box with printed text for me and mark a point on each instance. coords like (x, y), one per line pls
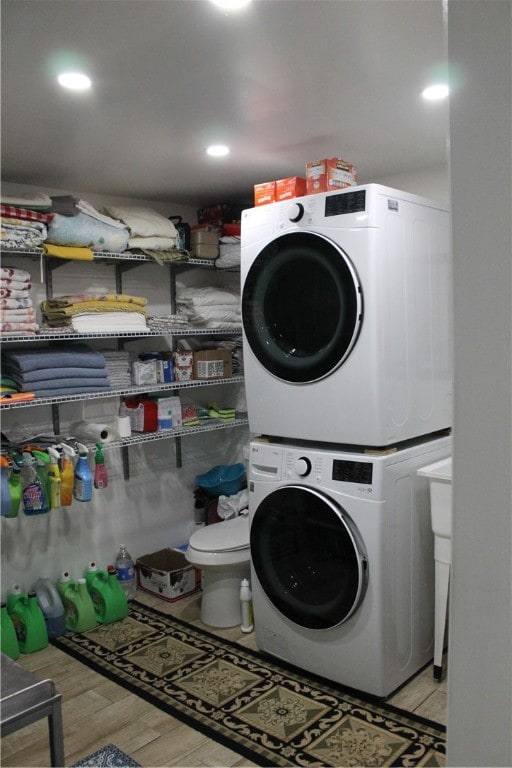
(213, 364)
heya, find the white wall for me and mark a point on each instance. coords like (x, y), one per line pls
(480, 646)
(154, 508)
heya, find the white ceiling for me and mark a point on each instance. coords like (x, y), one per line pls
(286, 82)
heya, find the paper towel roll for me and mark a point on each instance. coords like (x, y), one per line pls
(88, 430)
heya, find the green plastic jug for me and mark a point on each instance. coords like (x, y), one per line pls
(108, 597)
(78, 606)
(9, 640)
(28, 620)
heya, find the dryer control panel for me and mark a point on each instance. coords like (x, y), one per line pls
(352, 471)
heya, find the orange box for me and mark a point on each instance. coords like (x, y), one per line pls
(265, 193)
(287, 189)
(329, 174)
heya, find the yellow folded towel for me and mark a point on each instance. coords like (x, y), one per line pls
(68, 252)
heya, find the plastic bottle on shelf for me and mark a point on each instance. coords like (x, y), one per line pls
(15, 486)
(246, 605)
(67, 475)
(55, 478)
(100, 470)
(35, 501)
(82, 487)
(42, 464)
(126, 572)
(5, 503)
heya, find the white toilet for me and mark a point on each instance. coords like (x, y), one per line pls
(222, 552)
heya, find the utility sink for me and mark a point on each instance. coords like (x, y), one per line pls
(440, 476)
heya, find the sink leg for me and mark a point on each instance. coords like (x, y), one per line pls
(442, 578)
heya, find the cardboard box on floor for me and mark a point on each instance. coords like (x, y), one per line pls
(167, 574)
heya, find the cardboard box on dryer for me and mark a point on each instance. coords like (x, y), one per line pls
(167, 574)
(287, 189)
(264, 193)
(329, 174)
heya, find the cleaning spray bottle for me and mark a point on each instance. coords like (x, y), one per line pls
(82, 487)
(55, 479)
(34, 497)
(67, 474)
(15, 486)
(42, 464)
(5, 501)
(100, 470)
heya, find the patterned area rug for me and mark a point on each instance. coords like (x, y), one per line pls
(263, 709)
(108, 756)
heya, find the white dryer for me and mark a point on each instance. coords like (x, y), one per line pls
(342, 560)
(346, 305)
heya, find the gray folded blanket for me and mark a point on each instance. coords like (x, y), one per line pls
(59, 382)
(74, 356)
(46, 374)
(68, 391)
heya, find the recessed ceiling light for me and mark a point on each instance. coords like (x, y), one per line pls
(435, 92)
(231, 5)
(217, 150)
(75, 81)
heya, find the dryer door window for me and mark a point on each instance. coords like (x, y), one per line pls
(301, 307)
(309, 557)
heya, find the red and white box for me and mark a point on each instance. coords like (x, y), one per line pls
(287, 189)
(265, 193)
(329, 174)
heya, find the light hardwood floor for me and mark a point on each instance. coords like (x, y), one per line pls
(97, 711)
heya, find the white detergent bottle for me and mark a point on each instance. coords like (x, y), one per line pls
(246, 605)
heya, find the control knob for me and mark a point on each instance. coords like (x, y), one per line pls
(302, 466)
(295, 212)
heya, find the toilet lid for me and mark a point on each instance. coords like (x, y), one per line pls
(226, 536)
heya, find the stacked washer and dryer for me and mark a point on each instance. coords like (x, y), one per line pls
(346, 306)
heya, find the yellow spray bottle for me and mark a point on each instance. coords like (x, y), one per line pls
(55, 478)
(67, 475)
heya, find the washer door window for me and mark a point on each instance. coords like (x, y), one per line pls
(309, 557)
(301, 307)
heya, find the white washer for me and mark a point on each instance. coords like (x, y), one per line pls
(342, 560)
(346, 304)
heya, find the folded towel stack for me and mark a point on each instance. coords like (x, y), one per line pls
(118, 368)
(24, 221)
(73, 370)
(17, 315)
(209, 306)
(96, 312)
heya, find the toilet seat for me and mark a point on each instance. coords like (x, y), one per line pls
(225, 543)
